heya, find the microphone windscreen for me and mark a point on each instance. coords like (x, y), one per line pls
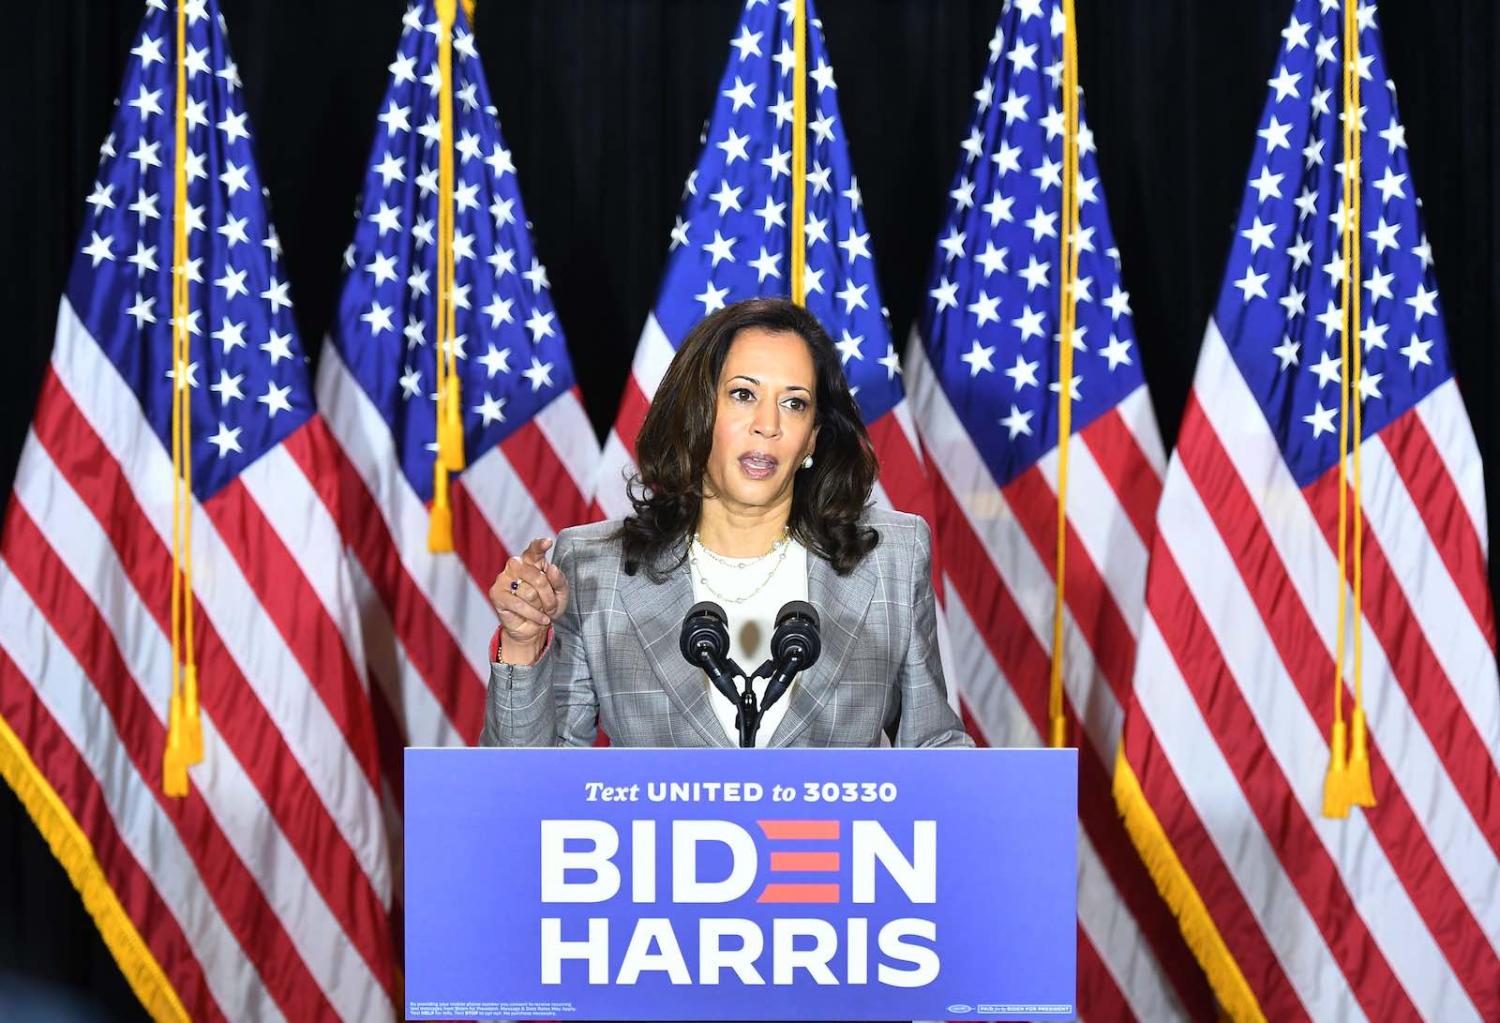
(798, 609)
(708, 607)
(705, 632)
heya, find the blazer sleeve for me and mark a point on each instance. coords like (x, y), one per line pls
(551, 702)
(926, 718)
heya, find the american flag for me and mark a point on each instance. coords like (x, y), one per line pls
(263, 893)
(1393, 912)
(531, 450)
(983, 375)
(732, 241)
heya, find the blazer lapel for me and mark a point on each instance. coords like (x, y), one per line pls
(841, 604)
(656, 611)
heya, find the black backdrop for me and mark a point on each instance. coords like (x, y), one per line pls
(601, 102)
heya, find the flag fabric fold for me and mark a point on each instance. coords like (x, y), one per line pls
(984, 371)
(1325, 478)
(445, 323)
(176, 443)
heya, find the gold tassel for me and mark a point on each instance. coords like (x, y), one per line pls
(1336, 798)
(440, 519)
(174, 780)
(192, 723)
(451, 427)
(440, 529)
(1361, 791)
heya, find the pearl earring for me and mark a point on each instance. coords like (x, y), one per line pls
(807, 462)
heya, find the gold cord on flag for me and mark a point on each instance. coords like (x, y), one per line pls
(1067, 318)
(797, 262)
(450, 428)
(1347, 782)
(184, 745)
(1361, 790)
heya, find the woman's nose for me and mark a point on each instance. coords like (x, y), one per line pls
(767, 421)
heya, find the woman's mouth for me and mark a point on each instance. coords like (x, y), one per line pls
(758, 465)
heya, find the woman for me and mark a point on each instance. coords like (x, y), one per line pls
(755, 473)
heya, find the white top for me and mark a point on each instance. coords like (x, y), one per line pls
(751, 621)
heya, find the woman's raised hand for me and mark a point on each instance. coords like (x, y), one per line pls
(528, 595)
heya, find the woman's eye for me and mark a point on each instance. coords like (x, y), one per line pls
(742, 394)
(796, 404)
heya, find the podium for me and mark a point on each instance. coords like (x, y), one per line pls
(657, 884)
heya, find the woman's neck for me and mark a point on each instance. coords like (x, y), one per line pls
(741, 532)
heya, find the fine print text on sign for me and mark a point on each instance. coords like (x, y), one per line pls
(715, 884)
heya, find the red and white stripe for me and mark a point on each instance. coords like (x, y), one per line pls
(265, 893)
(998, 554)
(1395, 911)
(653, 354)
(427, 617)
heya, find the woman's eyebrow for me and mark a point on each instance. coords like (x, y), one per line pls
(789, 387)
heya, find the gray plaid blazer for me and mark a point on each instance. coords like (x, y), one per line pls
(614, 659)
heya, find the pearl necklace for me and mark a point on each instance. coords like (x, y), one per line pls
(779, 548)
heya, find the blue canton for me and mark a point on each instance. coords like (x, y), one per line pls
(732, 240)
(509, 349)
(247, 376)
(990, 324)
(1279, 307)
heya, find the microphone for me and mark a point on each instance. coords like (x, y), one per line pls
(705, 644)
(795, 646)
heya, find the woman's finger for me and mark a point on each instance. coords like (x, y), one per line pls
(543, 600)
(534, 580)
(536, 551)
(523, 609)
(559, 583)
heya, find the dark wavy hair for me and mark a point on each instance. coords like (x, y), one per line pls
(673, 446)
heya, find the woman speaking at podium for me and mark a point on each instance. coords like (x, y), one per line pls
(755, 474)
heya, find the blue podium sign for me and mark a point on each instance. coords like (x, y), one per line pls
(656, 884)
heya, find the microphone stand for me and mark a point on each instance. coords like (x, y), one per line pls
(721, 674)
(750, 709)
(748, 718)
